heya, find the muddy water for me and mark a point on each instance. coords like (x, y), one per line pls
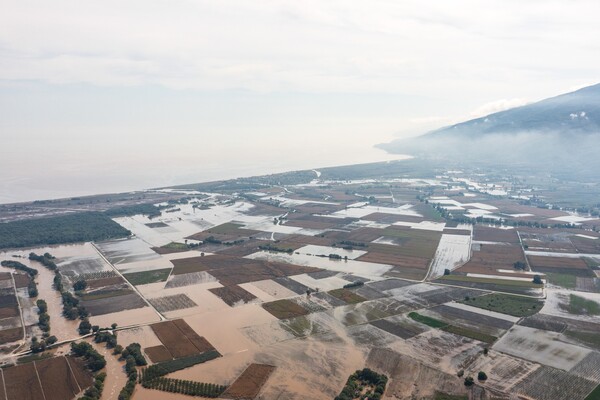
(115, 373)
(314, 367)
(60, 327)
(142, 335)
(143, 315)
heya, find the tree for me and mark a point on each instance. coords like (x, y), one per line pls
(469, 381)
(85, 327)
(481, 376)
(79, 285)
(537, 280)
(520, 265)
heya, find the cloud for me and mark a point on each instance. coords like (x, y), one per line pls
(314, 46)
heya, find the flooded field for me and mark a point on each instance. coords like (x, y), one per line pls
(294, 288)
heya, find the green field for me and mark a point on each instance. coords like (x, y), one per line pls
(595, 395)
(506, 304)
(582, 306)
(482, 337)
(104, 294)
(563, 280)
(175, 245)
(457, 330)
(591, 339)
(145, 277)
(432, 322)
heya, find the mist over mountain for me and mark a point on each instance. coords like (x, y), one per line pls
(559, 135)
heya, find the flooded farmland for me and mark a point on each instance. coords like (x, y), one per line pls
(311, 287)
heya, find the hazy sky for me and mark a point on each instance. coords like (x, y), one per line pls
(146, 93)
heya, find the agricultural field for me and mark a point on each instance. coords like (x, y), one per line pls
(179, 340)
(298, 286)
(506, 304)
(59, 378)
(249, 383)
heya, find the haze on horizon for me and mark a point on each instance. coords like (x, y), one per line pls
(114, 96)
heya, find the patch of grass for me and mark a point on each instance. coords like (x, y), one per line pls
(502, 282)
(226, 228)
(564, 280)
(146, 277)
(506, 304)
(445, 396)
(581, 306)
(595, 395)
(34, 357)
(104, 294)
(347, 295)
(592, 339)
(432, 322)
(482, 337)
(176, 246)
(591, 262)
(284, 309)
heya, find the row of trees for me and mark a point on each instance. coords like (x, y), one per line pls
(38, 346)
(95, 392)
(19, 266)
(72, 309)
(94, 360)
(133, 358)
(190, 388)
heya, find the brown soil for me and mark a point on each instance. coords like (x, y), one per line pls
(81, 373)
(583, 245)
(463, 232)
(199, 342)
(387, 256)
(391, 218)
(235, 270)
(363, 235)
(57, 380)
(312, 222)
(61, 378)
(180, 339)
(114, 304)
(21, 280)
(9, 310)
(571, 266)
(174, 340)
(233, 294)
(347, 296)
(249, 383)
(98, 283)
(10, 335)
(158, 353)
(283, 309)
(21, 383)
(487, 234)
(492, 257)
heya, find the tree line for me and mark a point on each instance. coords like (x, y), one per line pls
(71, 228)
